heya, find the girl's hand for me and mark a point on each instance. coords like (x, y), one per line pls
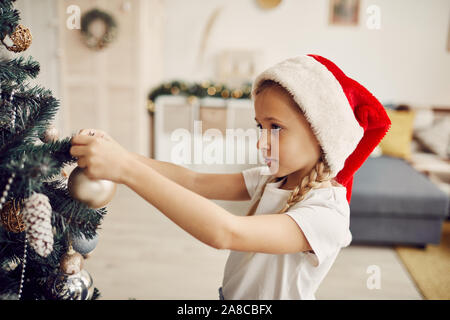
(100, 155)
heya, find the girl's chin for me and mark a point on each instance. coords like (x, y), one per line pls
(275, 169)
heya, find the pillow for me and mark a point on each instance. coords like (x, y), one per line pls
(397, 141)
(424, 118)
(377, 152)
(437, 137)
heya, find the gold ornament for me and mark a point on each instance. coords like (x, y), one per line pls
(21, 37)
(11, 217)
(71, 262)
(94, 193)
(225, 94)
(211, 91)
(237, 94)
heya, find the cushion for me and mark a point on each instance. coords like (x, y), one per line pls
(397, 141)
(436, 138)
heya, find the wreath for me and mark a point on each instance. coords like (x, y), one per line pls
(90, 39)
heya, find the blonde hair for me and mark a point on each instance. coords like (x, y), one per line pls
(319, 173)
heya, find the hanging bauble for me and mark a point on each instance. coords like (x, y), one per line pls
(37, 216)
(51, 134)
(21, 38)
(11, 217)
(72, 282)
(83, 245)
(78, 286)
(94, 193)
(71, 262)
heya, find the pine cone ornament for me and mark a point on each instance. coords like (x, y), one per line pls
(37, 218)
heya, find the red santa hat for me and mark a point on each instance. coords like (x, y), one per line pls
(347, 120)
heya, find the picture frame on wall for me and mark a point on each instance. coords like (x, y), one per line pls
(344, 12)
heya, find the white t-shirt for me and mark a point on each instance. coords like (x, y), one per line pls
(324, 218)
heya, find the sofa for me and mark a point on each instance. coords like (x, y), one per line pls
(395, 201)
(392, 203)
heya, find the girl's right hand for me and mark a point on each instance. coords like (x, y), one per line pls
(96, 133)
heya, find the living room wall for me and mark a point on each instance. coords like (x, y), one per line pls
(406, 61)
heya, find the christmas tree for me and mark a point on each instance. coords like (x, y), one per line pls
(40, 222)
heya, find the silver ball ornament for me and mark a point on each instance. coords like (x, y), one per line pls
(51, 134)
(83, 245)
(94, 193)
(78, 286)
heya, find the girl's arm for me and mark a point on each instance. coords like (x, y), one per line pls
(210, 223)
(209, 185)
(104, 158)
(174, 172)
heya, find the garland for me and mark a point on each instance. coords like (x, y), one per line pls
(197, 90)
(110, 33)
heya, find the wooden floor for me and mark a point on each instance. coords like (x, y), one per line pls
(143, 255)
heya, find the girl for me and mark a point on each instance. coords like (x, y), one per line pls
(299, 217)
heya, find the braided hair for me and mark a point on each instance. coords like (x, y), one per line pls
(319, 174)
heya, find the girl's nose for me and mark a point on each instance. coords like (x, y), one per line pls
(263, 141)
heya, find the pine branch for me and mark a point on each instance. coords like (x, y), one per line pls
(17, 70)
(36, 110)
(9, 18)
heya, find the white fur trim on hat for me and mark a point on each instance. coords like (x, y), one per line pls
(319, 94)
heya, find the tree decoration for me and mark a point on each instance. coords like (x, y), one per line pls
(83, 245)
(197, 90)
(72, 282)
(71, 262)
(93, 42)
(33, 170)
(50, 134)
(94, 193)
(37, 218)
(21, 38)
(11, 217)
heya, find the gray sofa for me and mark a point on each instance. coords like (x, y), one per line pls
(394, 204)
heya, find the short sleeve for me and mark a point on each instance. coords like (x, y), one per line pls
(252, 177)
(325, 228)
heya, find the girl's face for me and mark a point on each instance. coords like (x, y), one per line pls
(298, 148)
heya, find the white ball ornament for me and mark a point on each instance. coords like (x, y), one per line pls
(94, 193)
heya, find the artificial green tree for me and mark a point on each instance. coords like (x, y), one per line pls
(31, 162)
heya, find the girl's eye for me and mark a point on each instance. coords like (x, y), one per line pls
(274, 126)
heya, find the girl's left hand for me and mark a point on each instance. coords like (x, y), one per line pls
(100, 155)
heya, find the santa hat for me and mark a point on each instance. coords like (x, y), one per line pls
(347, 120)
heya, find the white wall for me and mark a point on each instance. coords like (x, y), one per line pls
(42, 20)
(404, 62)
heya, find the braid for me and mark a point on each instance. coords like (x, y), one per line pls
(319, 173)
